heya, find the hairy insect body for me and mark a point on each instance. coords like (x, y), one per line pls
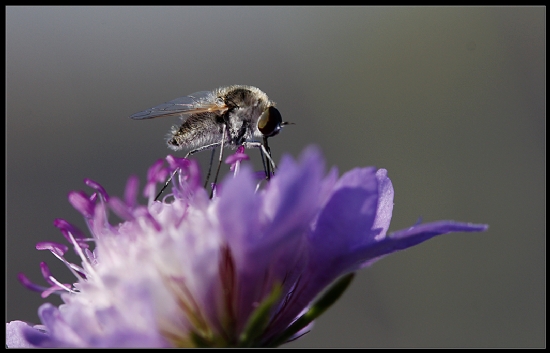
(239, 108)
(228, 116)
(198, 130)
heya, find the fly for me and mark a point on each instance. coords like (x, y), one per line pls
(228, 116)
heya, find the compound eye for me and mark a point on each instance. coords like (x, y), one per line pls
(270, 121)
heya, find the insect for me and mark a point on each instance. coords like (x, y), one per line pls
(228, 116)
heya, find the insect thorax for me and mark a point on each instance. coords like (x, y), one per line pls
(244, 106)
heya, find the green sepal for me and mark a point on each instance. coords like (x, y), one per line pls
(259, 319)
(319, 306)
(199, 341)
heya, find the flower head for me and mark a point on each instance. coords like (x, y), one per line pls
(241, 269)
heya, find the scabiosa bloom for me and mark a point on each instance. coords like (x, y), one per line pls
(243, 269)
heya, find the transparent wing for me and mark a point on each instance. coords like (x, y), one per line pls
(198, 102)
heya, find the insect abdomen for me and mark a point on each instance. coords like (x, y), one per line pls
(198, 130)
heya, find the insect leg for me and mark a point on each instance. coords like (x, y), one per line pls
(263, 164)
(209, 167)
(219, 162)
(213, 145)
(268, 165)
(166, 184)
(250, 144)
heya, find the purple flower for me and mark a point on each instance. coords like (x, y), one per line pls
(242, 269)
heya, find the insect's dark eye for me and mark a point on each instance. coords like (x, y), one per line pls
(270, 121)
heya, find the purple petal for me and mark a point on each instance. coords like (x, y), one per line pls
(236, 157)
(292, 195)
(239, 220)
(63, 225)
(177, 163)
(327, 187)
(53, 320)
(422, 232)
(57, 248)
(188, 179)
(81, 203)
(28, 284)
(120, 208)
(131, 191)
(385, 204)
(348, 216)
(97, 187)
(156, 172)
(241, 226)
(406, 238)
(46, 273)
(345, 223)
(15, 334)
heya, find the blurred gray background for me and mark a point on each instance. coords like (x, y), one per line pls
(451, 101)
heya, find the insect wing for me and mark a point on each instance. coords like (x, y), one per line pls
(198, 102)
